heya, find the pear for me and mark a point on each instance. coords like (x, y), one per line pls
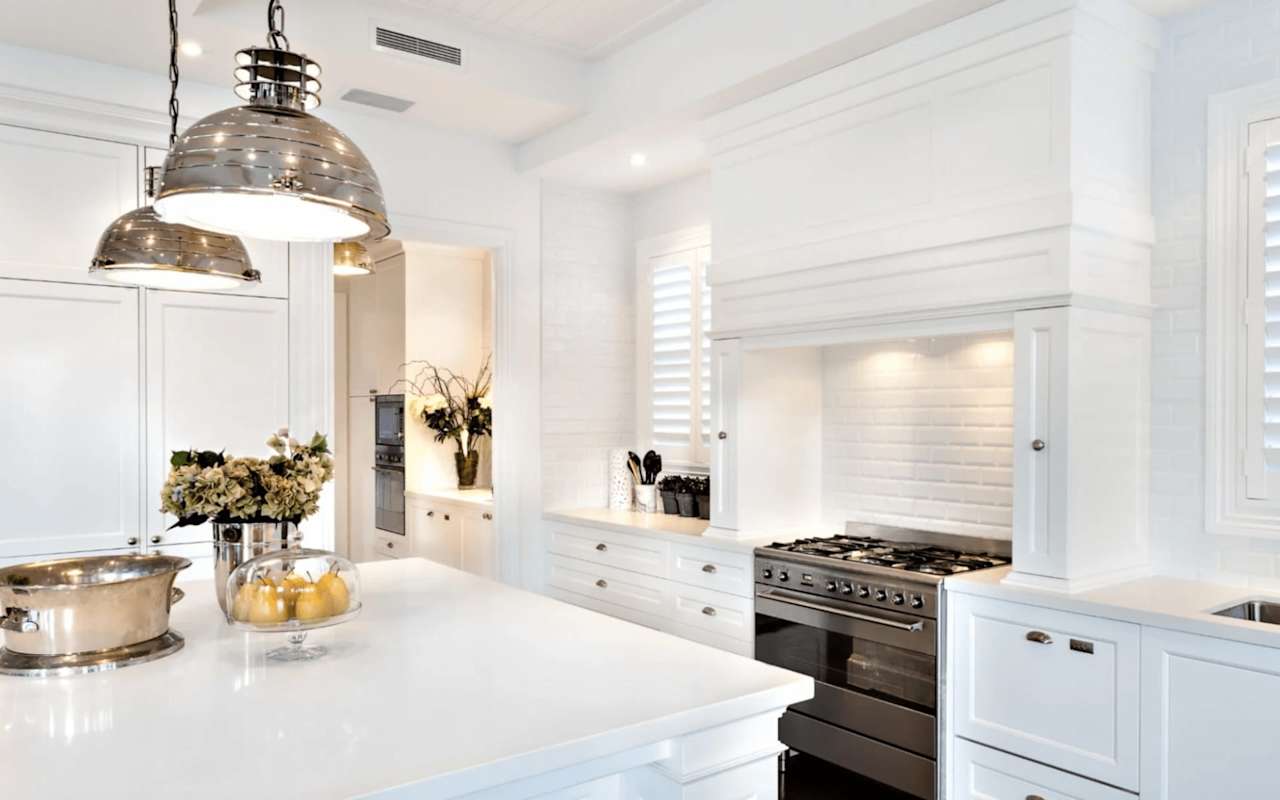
(291, 583)
(312, 603)
(242, 602)
(333, 585)
(267, 606)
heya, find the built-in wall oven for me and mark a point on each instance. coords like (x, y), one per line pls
(388, 463)
(859, 614)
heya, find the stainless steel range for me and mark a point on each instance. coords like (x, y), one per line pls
(859, 614)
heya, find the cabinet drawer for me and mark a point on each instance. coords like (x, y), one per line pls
(1055, 687)
(599, 546)
(609, 585)
(980, 773)
(390, 545)
(721, 570)
(725, 614)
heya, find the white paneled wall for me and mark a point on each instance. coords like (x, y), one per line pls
(1222, 46)
(920, 433)
(588, 342)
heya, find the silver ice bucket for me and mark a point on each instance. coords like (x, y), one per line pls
(236, 542)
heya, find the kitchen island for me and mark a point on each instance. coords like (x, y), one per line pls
(446, 685)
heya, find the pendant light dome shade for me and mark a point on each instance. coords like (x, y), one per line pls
(351, 259)
(270, 170)
(140, 249)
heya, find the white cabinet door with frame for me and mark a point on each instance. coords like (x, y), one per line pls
(70, 412)
(1209, 714)
(65, 190)
(218, 379)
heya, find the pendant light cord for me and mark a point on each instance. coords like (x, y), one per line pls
(275, 25)
(173, 73)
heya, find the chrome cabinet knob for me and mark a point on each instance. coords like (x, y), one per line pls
(131, 541)
(709, 611)
(390, 545)
(722, 435)
(155, 539)
(602, 547)
(431, 513)
(446, 517)
(602, 583)
(1037, 444)
(1039, 637)
(486, 515)
(710, 569)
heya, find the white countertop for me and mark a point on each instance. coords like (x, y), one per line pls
(668, 526)
(473, 497)
(446, 683)
(1162, 602)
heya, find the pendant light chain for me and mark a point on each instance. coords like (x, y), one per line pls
(275, 25)
(173, 72)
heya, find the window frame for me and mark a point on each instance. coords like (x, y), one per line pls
(698, 238)
(1229, 312)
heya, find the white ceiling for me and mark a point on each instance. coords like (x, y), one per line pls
(1166, 8)
(587, 29)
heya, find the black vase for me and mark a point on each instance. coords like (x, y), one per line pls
(466, 466)
(704, 506)
(688, 505)
(669, 503)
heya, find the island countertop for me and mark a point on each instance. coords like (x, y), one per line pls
(445, 685)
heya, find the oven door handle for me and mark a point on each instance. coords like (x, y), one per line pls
(790, 599)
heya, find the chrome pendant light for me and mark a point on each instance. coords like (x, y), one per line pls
(351, 259)
(269, 169)
(140, 249)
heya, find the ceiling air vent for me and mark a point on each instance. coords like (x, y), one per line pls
(415, 46)
(384, 101)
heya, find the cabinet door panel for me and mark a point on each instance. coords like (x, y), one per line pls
(1210, 708)
(65, 191)
(1039, 475)
(69, 417)
(389, 324)
(218, 368)
(479, 549)
(726, 372)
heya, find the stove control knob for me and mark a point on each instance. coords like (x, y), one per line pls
(864, 592)
(782, 576)
(767, 574)
(846, 588)
(831, 586)
(881, 594)
(917, 601)
(898, 599)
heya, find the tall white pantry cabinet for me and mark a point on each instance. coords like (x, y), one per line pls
(99, 382)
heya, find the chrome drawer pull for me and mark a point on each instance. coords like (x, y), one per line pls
(1039, 637)
(710, 569)
(602, 583)
(486, 515)
(602, 547)
(709, 611)
(1037, 445)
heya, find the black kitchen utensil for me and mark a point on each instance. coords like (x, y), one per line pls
(652, 466)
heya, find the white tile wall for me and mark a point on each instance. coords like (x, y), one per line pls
(920, 433)
(588, 342)
(1222, 46)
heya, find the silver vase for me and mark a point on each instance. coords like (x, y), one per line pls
(236, 542)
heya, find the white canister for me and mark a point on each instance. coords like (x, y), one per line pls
(619, 481)
(647, 498)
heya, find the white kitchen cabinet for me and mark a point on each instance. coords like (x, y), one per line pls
(361, 484)
(362, 363)
(1081, 446)
(726, 378)
(1054, 687)
(64, 191)
(479, 543)
(218, 379)
(70, 416)
(389, 342)
(1210, 709)
(983, 773)
(435, 531)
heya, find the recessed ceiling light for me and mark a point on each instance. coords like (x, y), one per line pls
(638, 159)
(190, 48)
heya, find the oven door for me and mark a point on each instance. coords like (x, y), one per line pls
(389, 421)
(389, 499)
(875, 670)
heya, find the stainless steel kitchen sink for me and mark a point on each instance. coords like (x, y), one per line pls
(1254, 611)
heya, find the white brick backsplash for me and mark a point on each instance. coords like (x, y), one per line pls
(588, 342)
(919, 433)
(1222, 46)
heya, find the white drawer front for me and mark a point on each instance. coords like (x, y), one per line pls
(390, 545)
(725, 614)
(608, 585)
(721, 570)
(634, 553)
(980, 773)
(1023, 682)
(609, 609)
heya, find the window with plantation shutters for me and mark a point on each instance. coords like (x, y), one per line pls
(674, 364)
(1261, 316)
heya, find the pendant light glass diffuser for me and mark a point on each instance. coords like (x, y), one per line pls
(140, 249)
(351, 259)
(269, 169)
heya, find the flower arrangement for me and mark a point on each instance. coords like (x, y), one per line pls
(455, 408)
(206, 486)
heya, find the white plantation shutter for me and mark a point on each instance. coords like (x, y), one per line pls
(679, 407)
(1262, 315)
